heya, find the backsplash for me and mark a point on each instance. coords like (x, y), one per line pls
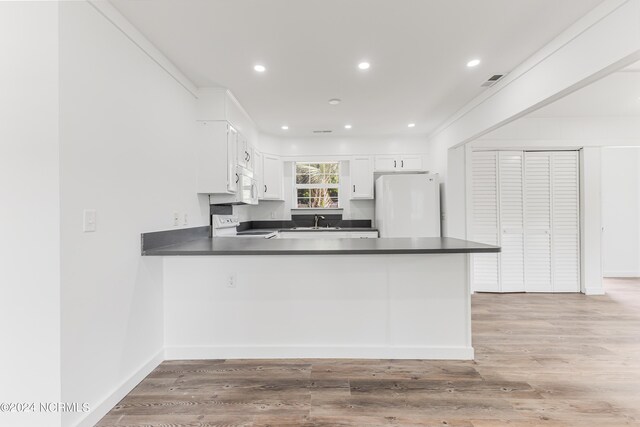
(306, 221)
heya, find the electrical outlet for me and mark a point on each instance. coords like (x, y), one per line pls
(231, 281)
(176, 219)
(273, 215)
(185, 220)
(89, 220)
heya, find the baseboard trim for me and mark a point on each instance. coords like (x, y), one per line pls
(101, 409)
(318, 352)
(618, 273)
(594, 291)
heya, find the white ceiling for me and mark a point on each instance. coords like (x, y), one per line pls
(617, 94)
(417, 49)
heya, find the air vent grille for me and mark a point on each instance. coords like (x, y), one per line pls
(322, 131)
(493, 80)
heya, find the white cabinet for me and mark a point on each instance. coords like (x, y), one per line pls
(328, 235)
(272, 177)
(258, 173)
(411, 163)
(361, 170)
(245, 152)
(527, 203)
(217, 166)
(398, 163)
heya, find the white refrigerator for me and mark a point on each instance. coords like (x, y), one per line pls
(408, 205)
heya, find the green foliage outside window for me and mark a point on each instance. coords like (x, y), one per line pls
(317, 184)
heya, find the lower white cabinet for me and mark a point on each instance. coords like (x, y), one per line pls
(361, 170)
(527, 203)
(328, 235)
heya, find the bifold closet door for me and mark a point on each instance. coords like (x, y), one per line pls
(511, 220)
(484, 219)
(565, 221)
(537, 191)
(552, 221)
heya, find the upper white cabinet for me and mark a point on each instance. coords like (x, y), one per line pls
(398, 163)
(361, 169)
(272, 177)
(258, 173)
(217, 166)
(245, 153)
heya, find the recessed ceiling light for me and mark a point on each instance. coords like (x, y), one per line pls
(285, 127)
(411, 125)
(364, 65)
(347, 126)
(260, 68)
(473, 63)
(335, 101)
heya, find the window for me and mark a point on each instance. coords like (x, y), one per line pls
(317, 184)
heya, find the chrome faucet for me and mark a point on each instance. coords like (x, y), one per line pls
(316, 218)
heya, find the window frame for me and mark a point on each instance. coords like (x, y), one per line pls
(296, 186)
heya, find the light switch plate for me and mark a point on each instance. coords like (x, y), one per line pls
(89, 220)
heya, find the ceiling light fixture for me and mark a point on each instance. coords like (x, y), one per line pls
(335, 101)
(347, 126)
(473, 63)
(260, 68)
(285, 127)
(364, 65)
(411, 125)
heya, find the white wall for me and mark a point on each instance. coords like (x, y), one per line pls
(621, 212)
(126, 131)
(29, 210)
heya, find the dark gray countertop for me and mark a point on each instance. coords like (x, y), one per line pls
(258, 246)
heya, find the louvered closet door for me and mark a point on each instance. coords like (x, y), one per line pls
(484, 225)
(511, 221)
(565, 221)
(538, 222)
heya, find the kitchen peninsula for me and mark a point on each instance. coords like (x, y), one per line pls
(230, 297)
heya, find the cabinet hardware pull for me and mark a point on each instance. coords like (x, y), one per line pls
(354, 188)
(237, 178)
(394, 163)
(265, 188)
(401, 163)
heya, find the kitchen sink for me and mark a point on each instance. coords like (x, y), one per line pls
(316, 228)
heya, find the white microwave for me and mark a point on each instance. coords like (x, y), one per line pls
(246, 193)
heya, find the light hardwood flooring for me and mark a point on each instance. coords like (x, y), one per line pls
(541, 360)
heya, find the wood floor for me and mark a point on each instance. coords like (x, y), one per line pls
(541, 360)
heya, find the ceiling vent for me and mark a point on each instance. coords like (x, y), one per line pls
(493, 80)
(322, 131)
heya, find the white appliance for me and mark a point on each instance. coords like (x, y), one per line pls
(225, 226)
(408, 205)
(246, 193)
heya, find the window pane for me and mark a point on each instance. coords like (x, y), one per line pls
(304, 203)
(303, 192)
(302, 179)
(333, 192)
